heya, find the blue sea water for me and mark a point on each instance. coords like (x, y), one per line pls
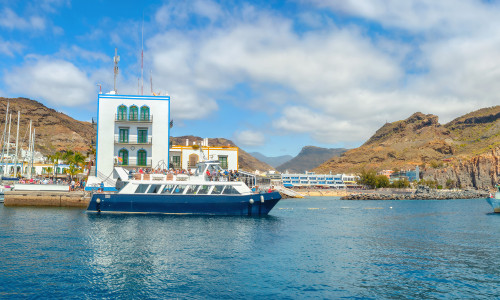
(306, 248)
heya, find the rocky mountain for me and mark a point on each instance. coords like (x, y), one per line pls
(55, 131)
(463, 152)
(273, 161)
(246, 161)
(309, 157)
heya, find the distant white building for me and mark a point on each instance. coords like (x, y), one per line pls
(309, 179)
(132, 132)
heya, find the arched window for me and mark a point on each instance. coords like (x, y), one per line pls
(142, 158)
(145, 113)
(134, 113)
(122, 113)
(193, 160)
(123, 157)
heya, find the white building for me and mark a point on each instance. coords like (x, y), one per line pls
(132, 132)
(309, 179)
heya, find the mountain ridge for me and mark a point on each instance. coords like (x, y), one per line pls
(420, 140)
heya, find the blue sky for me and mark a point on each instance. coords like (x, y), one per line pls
(273, 76)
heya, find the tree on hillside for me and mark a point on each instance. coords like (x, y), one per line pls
(368, 178)
(381, 181)
(372, 180)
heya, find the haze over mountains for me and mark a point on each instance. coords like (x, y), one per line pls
(309, 158)
(273, 161)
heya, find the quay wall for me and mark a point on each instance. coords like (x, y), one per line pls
(46, 198)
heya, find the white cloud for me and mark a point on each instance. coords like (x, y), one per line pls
(11, 20)
(78, 52)
(208, 9)
(319, 68)
(57, 81)
(345, 82)
(10, 48)
(249, 138)
(420, 15)
(178, 12)
(321, 126)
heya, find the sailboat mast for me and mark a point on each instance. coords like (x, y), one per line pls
(17, 142)
(32, 151)
(27, 153)
(8, 147)
(5, 132)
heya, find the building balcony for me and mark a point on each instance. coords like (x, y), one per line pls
(133, 163)
(128, 119)
(133, 140)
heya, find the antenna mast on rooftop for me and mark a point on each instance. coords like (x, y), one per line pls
(142, 55)
(116, 59)
(151, 79)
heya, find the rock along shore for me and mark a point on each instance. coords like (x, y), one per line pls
(419, 194)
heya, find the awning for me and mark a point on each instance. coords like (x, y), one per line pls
(288, 185)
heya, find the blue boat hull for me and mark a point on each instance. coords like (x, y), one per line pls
(255, 204)
(495, 203)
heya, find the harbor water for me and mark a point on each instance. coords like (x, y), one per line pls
(306, 248)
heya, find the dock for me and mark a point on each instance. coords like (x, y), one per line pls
(47, 198)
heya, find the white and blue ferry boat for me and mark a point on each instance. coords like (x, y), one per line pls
(494, 201)
(183, 194)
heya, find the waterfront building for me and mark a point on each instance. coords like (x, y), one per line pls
(132, 132)
(187, 156)
(311, 179)
(410, 175)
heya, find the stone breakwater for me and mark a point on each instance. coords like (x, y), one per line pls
(431, 195)
(46, 198)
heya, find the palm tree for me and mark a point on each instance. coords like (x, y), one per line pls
(72, 170)
(68, 156)
(79, 159)
(49, 170)
(55, 159)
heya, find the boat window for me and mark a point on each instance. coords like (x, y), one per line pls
(179, 189)
(229, 190)
(191, 189)
(204, 189)
(142, 188)
(154, 189)
(167, 189)
(199, 170)
(217, 189)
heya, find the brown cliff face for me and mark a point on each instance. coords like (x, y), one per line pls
(55, 131)
(481, 172)
(464, 151)
(246, 162)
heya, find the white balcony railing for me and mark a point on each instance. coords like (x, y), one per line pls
(133, 140)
